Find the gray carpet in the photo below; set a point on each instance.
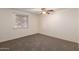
(38, 42)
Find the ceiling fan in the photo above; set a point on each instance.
(46, 11)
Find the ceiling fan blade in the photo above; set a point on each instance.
(42, 8)
(50, 10)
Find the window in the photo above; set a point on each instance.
(21, 21)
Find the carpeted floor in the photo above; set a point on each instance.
(38, 42)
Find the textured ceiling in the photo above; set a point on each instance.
(35, 10)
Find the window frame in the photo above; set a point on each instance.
(16, 26)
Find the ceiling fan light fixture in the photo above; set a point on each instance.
(43, 12)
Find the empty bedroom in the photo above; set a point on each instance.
(39, 29)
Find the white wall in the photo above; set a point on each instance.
(62, 24)
(78, 25)
(7, 23)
